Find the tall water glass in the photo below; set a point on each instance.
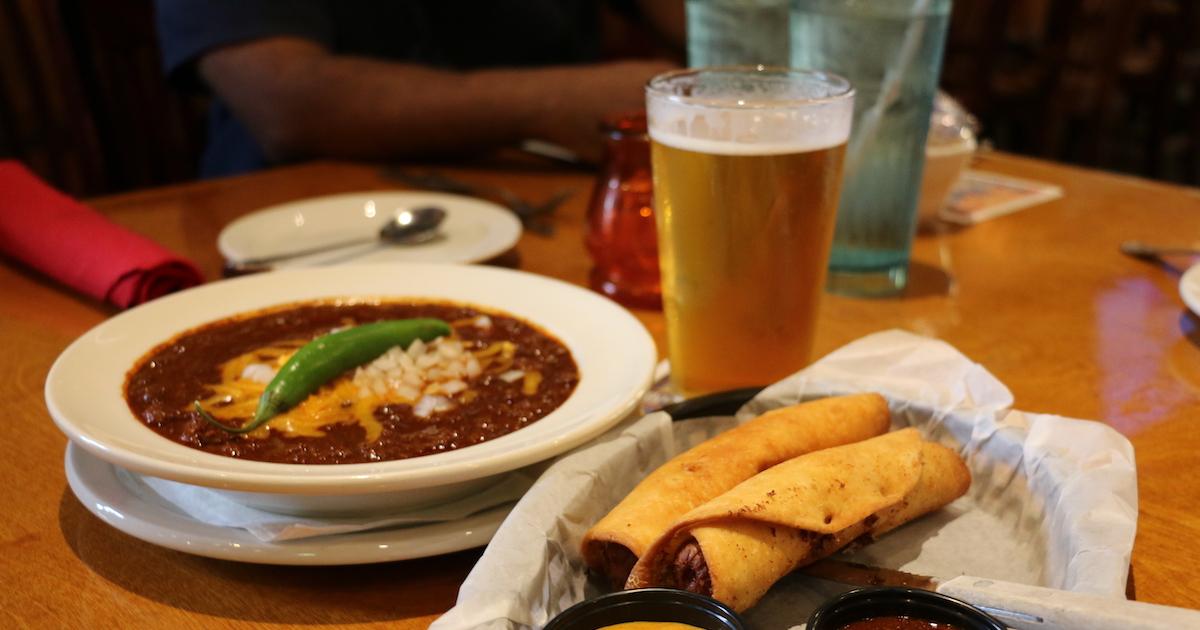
(747, 166)
(737, 32)
(891, 50)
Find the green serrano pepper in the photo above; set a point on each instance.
(324, 358)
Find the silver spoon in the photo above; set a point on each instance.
(1142, 250)
(408, 227)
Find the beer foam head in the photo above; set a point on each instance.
(749, 111)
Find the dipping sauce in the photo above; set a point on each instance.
(897, 623)
(492, 376)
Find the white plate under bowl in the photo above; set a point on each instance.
(473, 230)
(612, 350)
(1189, 288)
(146, 517)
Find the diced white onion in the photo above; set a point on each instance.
(430, 404)
(427, 375)
(512, 376)
(258, 372)
(427, 361)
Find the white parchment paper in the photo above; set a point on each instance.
(1053, 501)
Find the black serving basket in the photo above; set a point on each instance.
(865, 603)
(648, 604)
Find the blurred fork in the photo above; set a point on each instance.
(533, 216)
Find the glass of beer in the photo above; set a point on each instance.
(747, 167)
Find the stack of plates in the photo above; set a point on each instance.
(613, 352)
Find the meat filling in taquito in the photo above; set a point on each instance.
(616, 542)
(737, 545)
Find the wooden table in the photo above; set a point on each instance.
(1041, 298)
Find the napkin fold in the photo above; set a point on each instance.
(214, 507)
(79, 247)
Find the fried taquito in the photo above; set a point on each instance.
(737, 545)
(615, 543)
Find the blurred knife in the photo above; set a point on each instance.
(1021, 606)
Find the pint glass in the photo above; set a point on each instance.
(747, 167)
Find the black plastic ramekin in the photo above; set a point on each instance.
(865, 603)
(648, 604)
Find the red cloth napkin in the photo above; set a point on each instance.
(78, 246)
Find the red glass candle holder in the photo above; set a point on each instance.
(620, 234)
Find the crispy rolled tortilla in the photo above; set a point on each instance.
(737, 545)
(613, 545)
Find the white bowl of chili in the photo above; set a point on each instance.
(128, 389)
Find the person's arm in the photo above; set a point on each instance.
(300, 100)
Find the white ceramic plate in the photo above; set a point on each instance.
(1189, 288)
(614, 354)
(473, 231)
(152, 519)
